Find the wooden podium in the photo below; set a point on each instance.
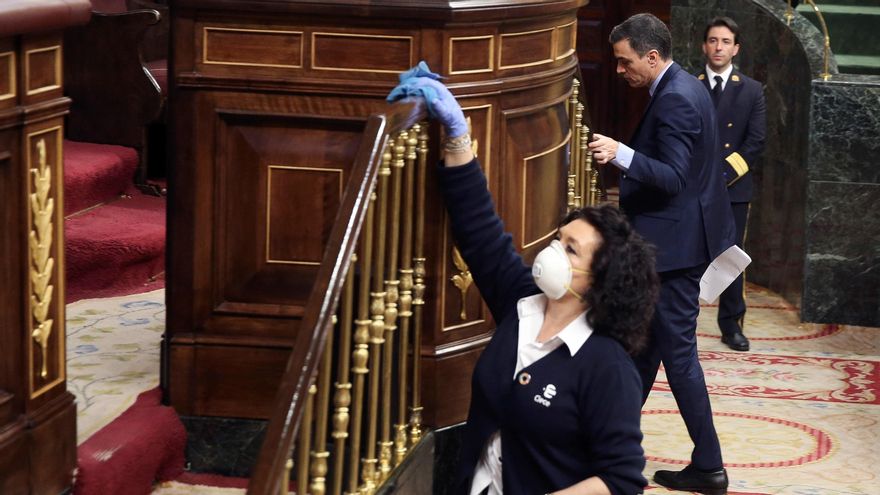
(37, 414)
(268, 102)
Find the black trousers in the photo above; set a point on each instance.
(732, 303)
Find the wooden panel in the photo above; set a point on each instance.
(471, 54)
(37, 415)
(13, 449)
(222, 380)
(319, 192)
(459, 310)
(45, 287)
(252, 47)
(446, 390)
(540, 172)
(42, 69)
(52, 456)
(566, 36)
(362, 52)
(8, 76)
(280, 184)
(542, 176)
(526, 48)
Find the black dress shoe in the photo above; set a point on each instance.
(736, 341)
(691, 479)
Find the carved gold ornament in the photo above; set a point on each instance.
(40, 242)
(462, 280)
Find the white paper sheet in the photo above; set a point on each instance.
(722, 272)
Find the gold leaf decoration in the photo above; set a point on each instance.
(40, 244)
(462, 280)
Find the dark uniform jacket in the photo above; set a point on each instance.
(549, 441)
(742, 126)
(673, 192)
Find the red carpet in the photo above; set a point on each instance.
(115, 249)
(96, 173)
(145, 444)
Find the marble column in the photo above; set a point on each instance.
(842, 239)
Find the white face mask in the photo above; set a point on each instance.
(552, 271)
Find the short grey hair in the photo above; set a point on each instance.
(645, 32)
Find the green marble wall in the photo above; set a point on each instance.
(812, 233)
(842, 252)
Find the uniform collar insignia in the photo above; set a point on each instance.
(701, 77)
(734, 78)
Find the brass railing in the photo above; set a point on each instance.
(584, 187)
(826, 56)
(363, 318)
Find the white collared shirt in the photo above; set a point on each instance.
(528, 350)
(725, 76)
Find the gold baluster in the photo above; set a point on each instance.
(361, 353)
(284, 483)
(574, 123)
(319, 455)
(584, 171)
(582, 153)
(406, 285)
(305, 442)
(595, 192)
(377, 325)
(391, 298)
(415, 421)
(342, 397)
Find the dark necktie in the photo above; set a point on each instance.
(716, 91)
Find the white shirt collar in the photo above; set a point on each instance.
(573, 335)
(724, 76)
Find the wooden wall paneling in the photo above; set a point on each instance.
(37, 414)
(262, 138)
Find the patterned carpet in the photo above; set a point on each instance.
(798, 414)
(112, 355)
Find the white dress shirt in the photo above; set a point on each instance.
(725, 76)
(531, 316)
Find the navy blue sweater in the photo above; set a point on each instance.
(590, 427)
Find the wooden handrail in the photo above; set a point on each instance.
(318, 316)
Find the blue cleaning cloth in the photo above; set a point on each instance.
(409, 86)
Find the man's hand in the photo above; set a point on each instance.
(604, 148)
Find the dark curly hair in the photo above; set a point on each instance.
(624, 284)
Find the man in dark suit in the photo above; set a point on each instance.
(673, 193)
(739, 106)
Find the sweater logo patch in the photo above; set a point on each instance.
(549, 393)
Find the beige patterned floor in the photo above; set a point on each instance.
(798, 414)
(112, 355)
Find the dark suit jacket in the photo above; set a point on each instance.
(673, 192)
(742, 126)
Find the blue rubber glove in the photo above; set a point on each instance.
(420, 81)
